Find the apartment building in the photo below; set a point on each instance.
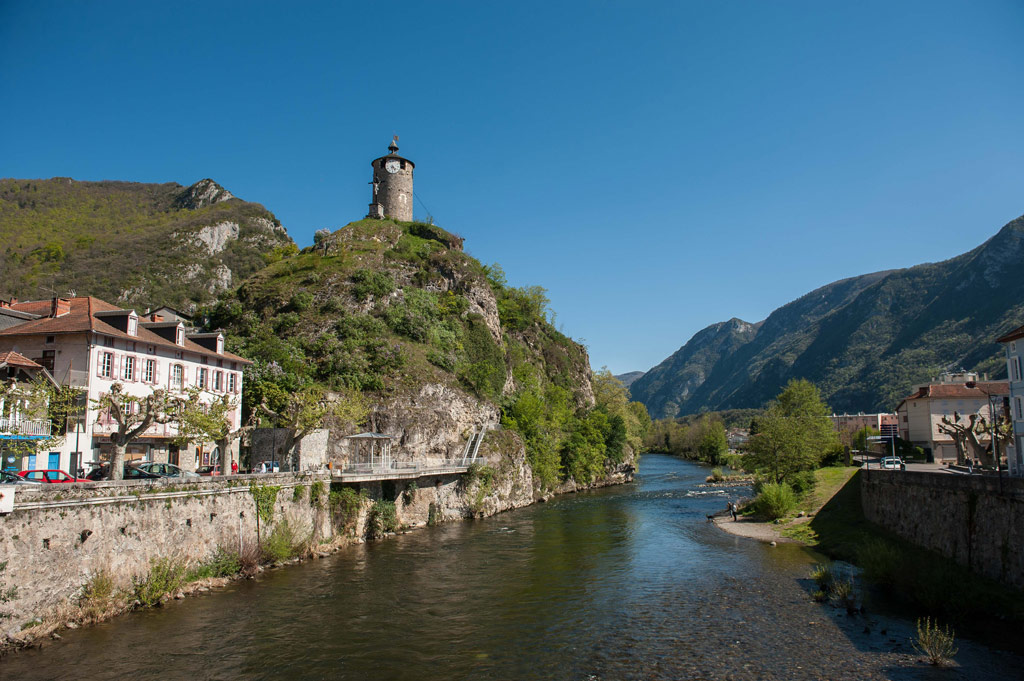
(90, 344)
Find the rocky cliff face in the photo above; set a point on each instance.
(864, 341)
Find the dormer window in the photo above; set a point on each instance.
(220, 345)
(179, 335)
(133, 324)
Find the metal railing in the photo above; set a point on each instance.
(394, 466)
(16, 426)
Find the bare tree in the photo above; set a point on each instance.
(211, 422)
(133, 416)
(965, 437)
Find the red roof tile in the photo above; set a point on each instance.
(946, 391)
(82, 319)
(17, 360)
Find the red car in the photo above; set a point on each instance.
(50, 476)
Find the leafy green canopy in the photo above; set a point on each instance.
(793, 435)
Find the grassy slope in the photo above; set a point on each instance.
(383, 305)
(65, 234)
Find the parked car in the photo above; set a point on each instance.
(892, 463)
(165, 470)
(54, 476)
(12, 478)
(208, 470)
(131, 472)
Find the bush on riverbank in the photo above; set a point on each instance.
(383, 518)
(776, 500)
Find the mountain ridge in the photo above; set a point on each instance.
(864, 340)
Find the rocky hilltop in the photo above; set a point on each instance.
(137, 244)
(864, 341)
(442, 347)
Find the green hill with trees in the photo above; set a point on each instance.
(386, 308)
(136, 244)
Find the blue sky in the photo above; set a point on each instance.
(658, 167)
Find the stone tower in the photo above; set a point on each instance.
(392, 186)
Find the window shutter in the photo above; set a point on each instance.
(115, 367)
(135, 369)
(99, 362)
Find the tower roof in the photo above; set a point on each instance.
(393, 147)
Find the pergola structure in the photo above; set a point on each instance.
(372, 450)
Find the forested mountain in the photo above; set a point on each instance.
(864, 341)
(130, 243)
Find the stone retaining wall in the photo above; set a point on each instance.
(976, 520)
(59, 536)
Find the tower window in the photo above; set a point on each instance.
(403, 165)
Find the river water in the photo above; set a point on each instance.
(628, 582)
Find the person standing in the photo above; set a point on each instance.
(732, 510)
(234, 467)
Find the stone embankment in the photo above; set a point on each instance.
(976, 520)
(60, 537)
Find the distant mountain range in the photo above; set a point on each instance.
(131, 243)
(865, 341)
(629, 377)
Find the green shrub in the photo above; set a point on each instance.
(297, 493)
(717, 475)
(368, 283)
(166, 575)
(802, 482)
(823, 576)
(776, 500)
(316, 494)
(934, 643)
(283, 543)
(300, 301)
(880, 561)
(224, 563)
(383, 518)
(97, 595)
(844, 593)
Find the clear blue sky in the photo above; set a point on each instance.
(657, 167)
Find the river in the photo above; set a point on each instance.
(627, 582)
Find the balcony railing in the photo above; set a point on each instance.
(16, 426)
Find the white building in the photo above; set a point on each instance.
(1014, 344)
(90, 344)
(921, 413)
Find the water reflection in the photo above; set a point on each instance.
(628, 582)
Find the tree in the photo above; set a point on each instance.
(711, 442)
(965, 436)
(311, 408)
(134, 415)
(39, 400)
(860, 438)
(200, 421)
(793, 435)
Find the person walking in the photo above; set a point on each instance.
(732, 510)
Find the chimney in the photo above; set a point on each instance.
(60, 307)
